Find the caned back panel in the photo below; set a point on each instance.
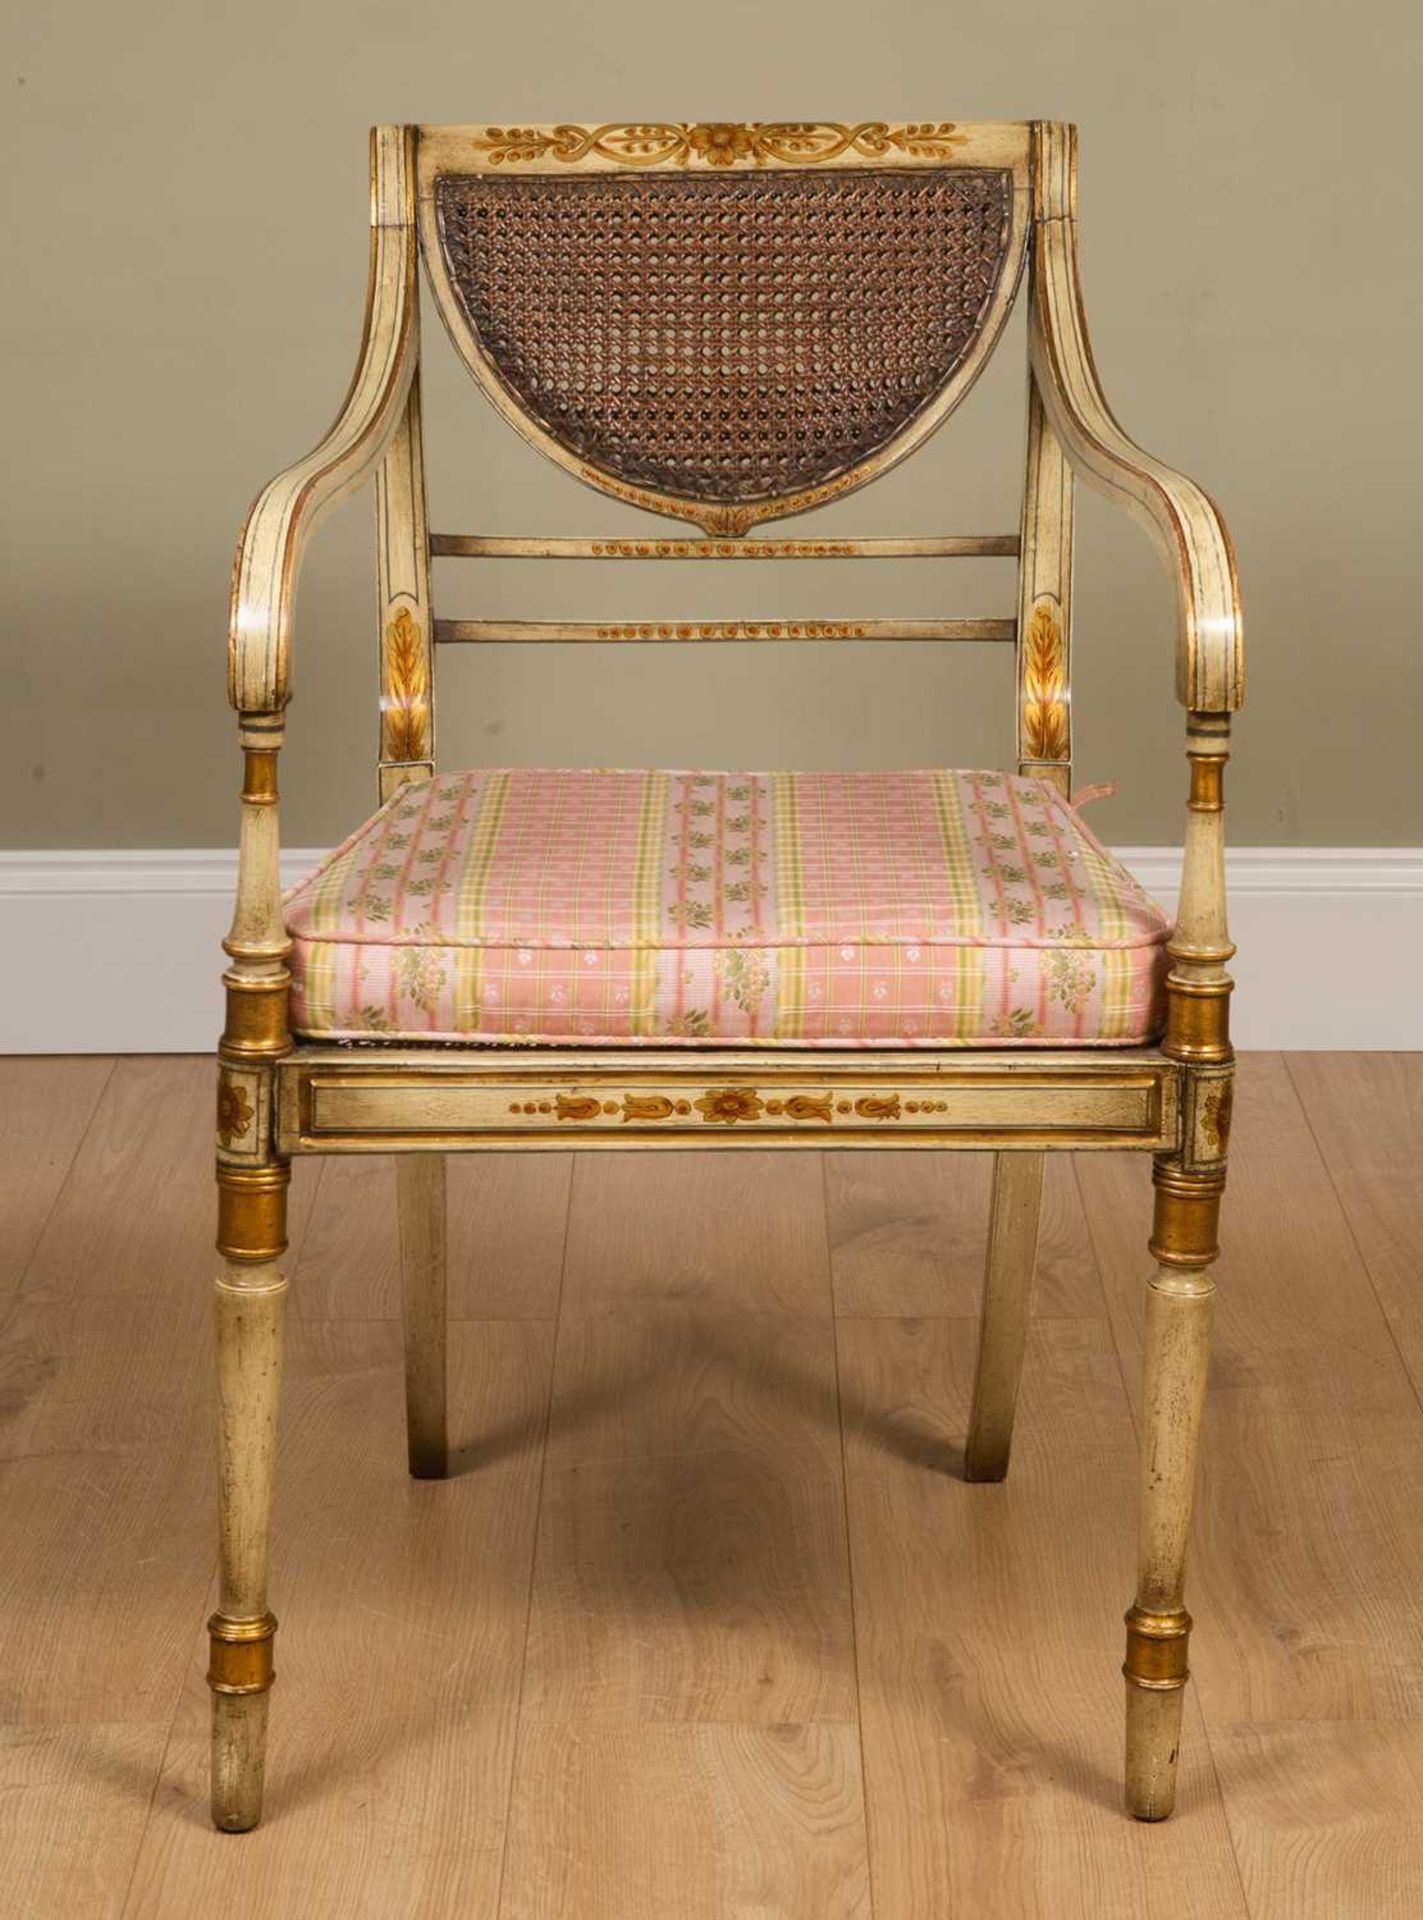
(725, 323)
(729, 338)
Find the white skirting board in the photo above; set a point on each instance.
(110, 951)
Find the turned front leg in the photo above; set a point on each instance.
(1181, 1297)
(1180, 1304)
(251, 1295)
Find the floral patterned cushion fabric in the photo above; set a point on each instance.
(779, 909)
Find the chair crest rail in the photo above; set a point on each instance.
(955, 546)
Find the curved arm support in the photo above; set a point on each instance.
(287, 509)
(1182, 519)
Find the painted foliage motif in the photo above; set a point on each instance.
(1044, 684)
(405, 695)
(717, 143)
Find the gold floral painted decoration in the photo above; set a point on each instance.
(718, 143)
(724, 1106)
(722, 143)
(1044, 685)
(234, 1111)
(1215, 1115)
(405, 697)
(735, 630)
(705, 550)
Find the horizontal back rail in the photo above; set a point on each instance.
(497, 632)
(954, 546)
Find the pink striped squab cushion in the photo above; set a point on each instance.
(780, 909)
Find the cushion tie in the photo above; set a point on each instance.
(1103, 790)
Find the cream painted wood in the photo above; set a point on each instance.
(1176, 1348)
(251, 1324)
(250, 1318)
(1013, 1225)
(257, 939)
(862, 1067)
(1196, 549)
(407, 668)
(421, 1205)
(1200, 941)
(1182, 519)
(239, 1759)
(1153, 1748)
(289, 507)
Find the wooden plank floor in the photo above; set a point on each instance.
(707, 1624)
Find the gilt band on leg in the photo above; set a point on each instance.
(252, 1212)
(1185, 1229)
(1156, 1648)
(240, 1654)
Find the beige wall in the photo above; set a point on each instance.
(185, 265)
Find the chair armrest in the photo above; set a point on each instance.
(284, 514)
(1181, 517)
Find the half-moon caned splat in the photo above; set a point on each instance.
(727, 348)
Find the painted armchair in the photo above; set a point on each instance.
(725, 325)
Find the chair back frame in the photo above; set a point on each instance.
(705, 156)
(1070, 432)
